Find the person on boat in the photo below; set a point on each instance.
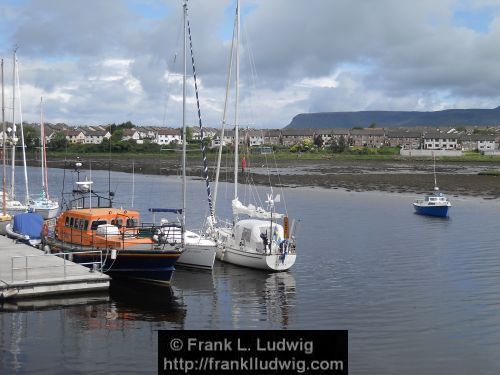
(265, 240)
(243, 165)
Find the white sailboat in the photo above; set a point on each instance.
(260, 241)
(5, 217)
(199, 251)
(14, 206)
(43, 205)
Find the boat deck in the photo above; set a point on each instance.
(28, 272)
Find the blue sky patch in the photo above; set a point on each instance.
(226, 29)
(149, 9)
(475, 19)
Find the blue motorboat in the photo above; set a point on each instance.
(435, 204)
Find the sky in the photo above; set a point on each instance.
(110, 61)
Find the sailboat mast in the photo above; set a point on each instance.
(184, 121)
(435, 180)
(133, 181)
(236, 138)
(4, 175)
(13, 136)
(25, 169)
(42, 153)
(223, 123)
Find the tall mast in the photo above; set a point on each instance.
(42, 154)
(4, 175)
(223, 123)
(236, 138)
(184, 122)
(435, 180)
(26, 189)
(13, 136)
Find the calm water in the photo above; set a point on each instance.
(418, 295)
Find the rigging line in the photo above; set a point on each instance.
(14, 130)
(279, 181)
(224, 114)
(253, 73)
(64, 175)
(202, 132)
(27, 197)
(166, 89)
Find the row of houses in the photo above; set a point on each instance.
(448, 139)
(429, 139)
(96, 134)
(406, 138)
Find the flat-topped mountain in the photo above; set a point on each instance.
(394, 119)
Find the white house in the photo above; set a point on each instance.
(75, 136)
(478, 142)
(133, 134)
(167, 135)
(227, 140)
(253, 137)
(96, 136)
(440, 141)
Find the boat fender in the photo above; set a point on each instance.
(113, 254)
(45, 229)
(46, 249)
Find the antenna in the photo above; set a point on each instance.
(133, 181)
(435, 180)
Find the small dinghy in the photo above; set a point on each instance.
(26, 227)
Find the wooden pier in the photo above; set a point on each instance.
(28, 272)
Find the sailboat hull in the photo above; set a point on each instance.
(4, 221)
(47, 213)
(199, 251)
(197, 256)
(268, 262)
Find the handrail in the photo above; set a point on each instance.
(26, 267)
(169, 232)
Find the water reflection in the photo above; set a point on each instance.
(255, 298)
(142, 301)
(54, 302)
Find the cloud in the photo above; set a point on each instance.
(118, 60)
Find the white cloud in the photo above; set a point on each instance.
(99, 62)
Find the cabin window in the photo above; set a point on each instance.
(85, 224)
(131, 223)
(117, 222)
(96, 223)
(71, 221)
(81, 224)
(67, 221)
(246, 234)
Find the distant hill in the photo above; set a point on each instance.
(394, 119)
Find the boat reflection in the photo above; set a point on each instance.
(130, 301)
(194, 282)
(143, 301)
(253, 295)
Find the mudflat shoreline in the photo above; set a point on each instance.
(403, 176)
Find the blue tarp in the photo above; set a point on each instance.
(29, 224)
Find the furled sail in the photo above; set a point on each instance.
(251, 210)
